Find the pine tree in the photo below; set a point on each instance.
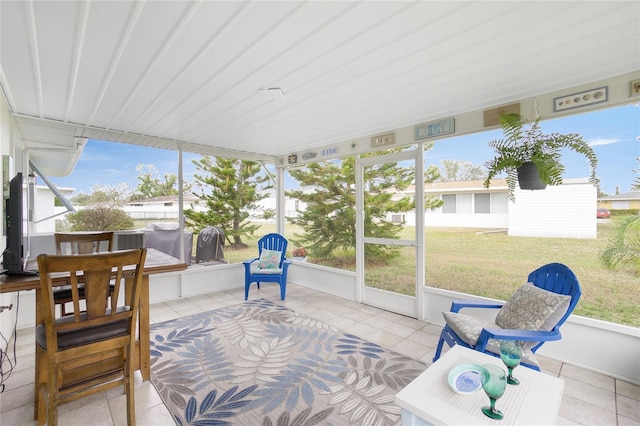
(229, 188)
(329, 218)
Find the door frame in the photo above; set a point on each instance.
(399, 303)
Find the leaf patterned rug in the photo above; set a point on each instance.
(259, 363)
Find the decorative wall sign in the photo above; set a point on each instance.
(293, 158)
(329, 151)
(434, 128)
(635, 88)
(309, 155)
(383, 140)
(580, 99)
(492, 116)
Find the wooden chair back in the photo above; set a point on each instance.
(83, 242)
(74, 243)
(75, 353)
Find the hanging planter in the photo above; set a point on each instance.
(529, 177)
(531, 158)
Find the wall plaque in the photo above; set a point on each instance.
(434, 128)
(492, 116)
(383, 140)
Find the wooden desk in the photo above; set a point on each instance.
(155, 263)
(429, 400)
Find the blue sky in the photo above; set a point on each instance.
(614, 134)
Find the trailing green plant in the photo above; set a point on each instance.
(525, 142)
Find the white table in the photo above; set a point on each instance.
(428, 400)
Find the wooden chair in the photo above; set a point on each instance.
(78, 243)
(90, 351)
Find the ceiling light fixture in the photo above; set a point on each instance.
(271, 93)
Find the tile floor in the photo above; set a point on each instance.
(589, 398)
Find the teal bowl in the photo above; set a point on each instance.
(466, 379)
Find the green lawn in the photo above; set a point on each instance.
(493, 265)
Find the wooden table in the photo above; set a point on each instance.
(429, 400)
(155, 263)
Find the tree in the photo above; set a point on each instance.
(623, 249)
(329, 218)
(233, 188)
(459, 170)
(100, 218)
(104, 195)
(151, 185)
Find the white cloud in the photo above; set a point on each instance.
(597, 142)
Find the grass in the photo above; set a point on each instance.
(494, 265)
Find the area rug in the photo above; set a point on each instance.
(259, 363)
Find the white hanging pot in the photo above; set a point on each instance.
(529, 177)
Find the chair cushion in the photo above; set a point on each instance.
(71, 338)
(269, 259)
(532, 308)
(271, 271)
(468, 328)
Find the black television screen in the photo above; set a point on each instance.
(12, 257)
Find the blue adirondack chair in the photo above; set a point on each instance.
(484, 335)
(271, 265)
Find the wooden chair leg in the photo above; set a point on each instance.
(52, 407)
(130, 389)
(41, 406)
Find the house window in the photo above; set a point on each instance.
(482, 203)
(499, 203)
(457, 203)
(464, 203)
(448, 203)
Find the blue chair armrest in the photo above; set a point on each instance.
(285, 265)
(521, 335)
(456, 305)
(250, 261)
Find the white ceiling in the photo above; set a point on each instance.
(157, 72)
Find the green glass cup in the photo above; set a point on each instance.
(494, 383)
(511, 354)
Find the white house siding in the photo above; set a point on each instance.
(564, 211)
(466, 220)
(465, 213)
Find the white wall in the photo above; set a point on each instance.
(563, 211)
(585, 342)
(8, 139)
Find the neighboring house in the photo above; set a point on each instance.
(567, 210)
(625, 201)
(45, 214)
(165, 207)
(468, 204)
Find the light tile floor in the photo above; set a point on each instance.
(589, 398)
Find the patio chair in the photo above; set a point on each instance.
(78, 243)
(532, 316)
(271, 265)
(93, 350)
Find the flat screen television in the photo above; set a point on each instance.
(12, 260)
